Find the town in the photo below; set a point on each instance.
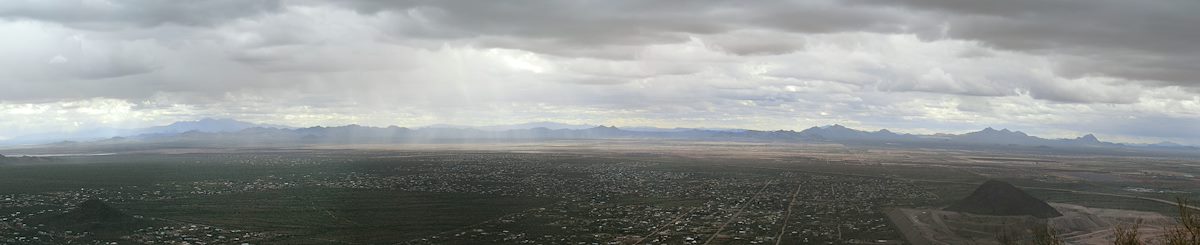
(562, 199)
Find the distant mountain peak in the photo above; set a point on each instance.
(205, 125)
(1167, 143)
(502, 127)
(1089, 138)
(993, 131)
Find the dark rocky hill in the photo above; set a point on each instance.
(95, 211)
(96, 217)
(1001, 198)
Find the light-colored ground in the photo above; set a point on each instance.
(1078, 225)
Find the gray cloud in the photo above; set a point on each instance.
(917, 64)
(1133, 40)
(558, 27)
(115, 14)
(1141, 40)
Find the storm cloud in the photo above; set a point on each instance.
(1058, 68)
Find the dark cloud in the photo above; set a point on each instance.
(558, 27)
(110, 14)
(942, 63)
(1140, 40)
(1134, 40)
(571, 22)
(1128, 39)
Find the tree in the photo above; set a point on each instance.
(1045, 235)
(1187, 232)
(1042, 233)
(1007, 236)
(1127, 234)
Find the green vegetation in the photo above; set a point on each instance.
(1126, 234)
(1188, 230)
(729, 196)
(356, 216)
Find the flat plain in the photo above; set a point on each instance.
(560, 192)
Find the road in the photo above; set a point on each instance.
(738, 213)
(782, 230)
(665, 226)
(1194, 207)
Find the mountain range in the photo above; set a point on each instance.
(230, 132)
(92, 134)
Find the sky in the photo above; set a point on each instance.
(1128, 71)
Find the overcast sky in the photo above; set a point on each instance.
(1126, 70)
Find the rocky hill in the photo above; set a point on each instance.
(97, 218)
(1001, 198)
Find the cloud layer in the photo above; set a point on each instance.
(1057, 68)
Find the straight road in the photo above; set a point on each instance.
(779, 238)
(738, 213)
